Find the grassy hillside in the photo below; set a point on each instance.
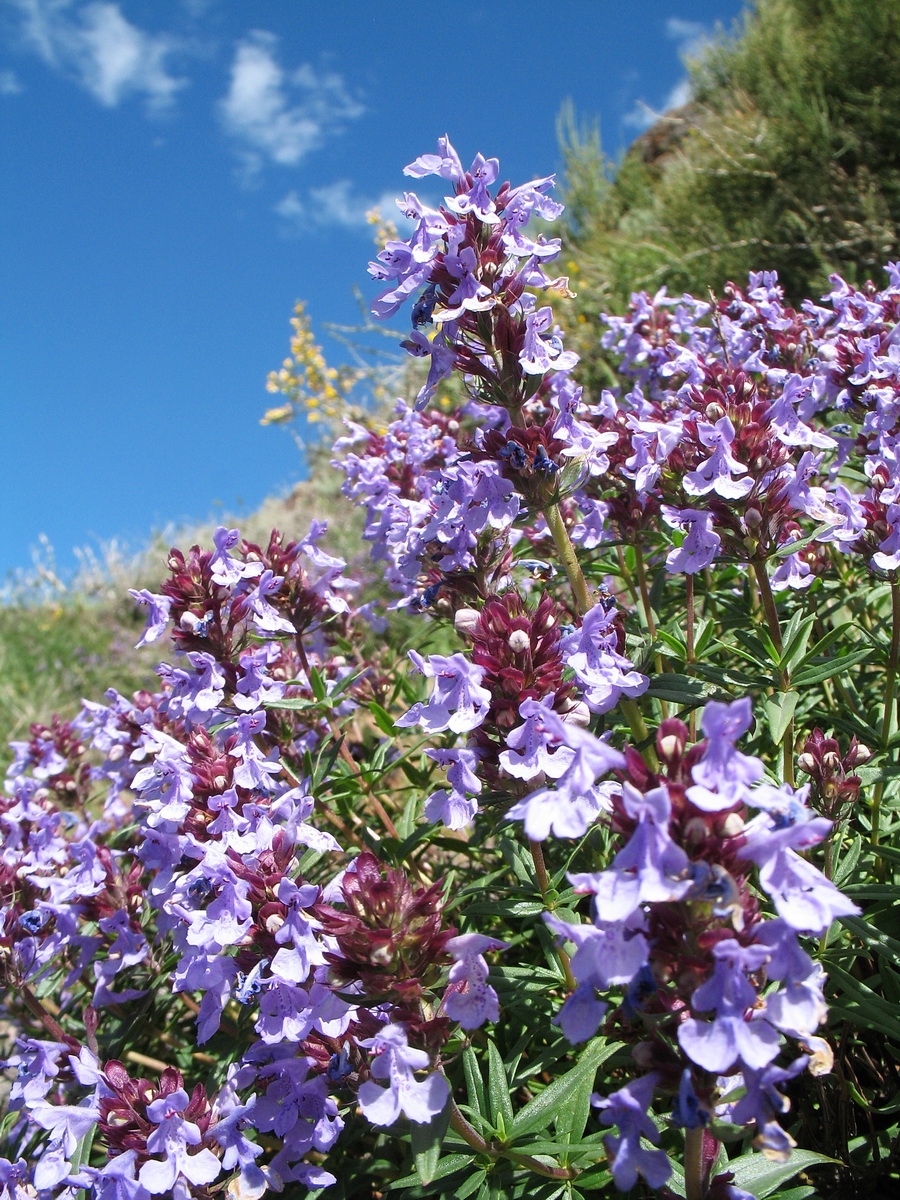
(787, 158)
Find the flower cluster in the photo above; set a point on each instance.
(165, 868)
(678, 925)
(199, 839)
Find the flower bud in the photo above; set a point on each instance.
(465, 620)
(732, 826)
(577, 714)
(695, 830)
(518, 641)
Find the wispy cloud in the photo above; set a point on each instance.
(281, 116)
(9, 84)
(98, 47)
(690, 37)
(336, 205)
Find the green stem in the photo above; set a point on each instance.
(648, 615)
(568, 558)
(768, 603)
(540, 870)
(473, 1139)
(887, 720)
(639, 730)
(689, 643)
(645, 591)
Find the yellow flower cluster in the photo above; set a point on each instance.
(385, 229)
(306, 381)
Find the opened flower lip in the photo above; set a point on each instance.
(458, 701)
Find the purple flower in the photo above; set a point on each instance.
(225, 570)
(701, 543)
(266, 618)
(537, 746)
(723, 775)
(575, 803)
(472, 1000)
(650, 868)
(469, 294)
(445, 163)
(718, 472)
(803, 896)
(171, 1139)
(157, 618)
(455, 808)
(581, 1014)
(540, 354)
(396, 1061)
(477, 199)
(457, 702)
(627, 1108)
(591, 653)
(738, 1032)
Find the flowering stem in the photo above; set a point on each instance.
(645, 591)
(768, 603)
(567, 557)
(540, 870)
(648, 615)
(473, 1138)
(694, 1188)
(640, 731)
(38, 1010)
(689, 643)
(345, 754)
(887, 720)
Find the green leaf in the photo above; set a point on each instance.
(474, 1082)
(761, 1177)
(827, 670)
(673, 642)
(563, 1100)
(779, 710)
(888, 947)
(703, 635)
(426, 1141)
(382, 718)
(679, 689)
(501, 1109)
(795, 639)
(447, 1166)
(793, 546)
(317, 683)
(291, 704)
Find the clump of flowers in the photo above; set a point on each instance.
(537, 894)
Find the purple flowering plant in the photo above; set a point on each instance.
(527, 858)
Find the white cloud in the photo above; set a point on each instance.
(691, 38)
(102, 50)
(281, 116)
(9, 84)
(335, 204)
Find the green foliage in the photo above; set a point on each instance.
(786, 159)
(52, 655)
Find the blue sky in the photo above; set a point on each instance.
(176, 175)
